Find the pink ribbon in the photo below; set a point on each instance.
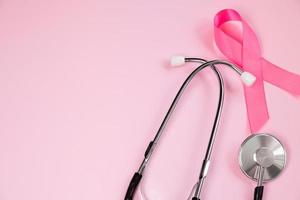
(246, 53)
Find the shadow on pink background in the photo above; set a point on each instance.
(84, 86)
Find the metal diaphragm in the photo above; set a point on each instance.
(262, 150)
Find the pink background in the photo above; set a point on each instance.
(85, 84)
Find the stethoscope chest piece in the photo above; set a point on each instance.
(262, 157)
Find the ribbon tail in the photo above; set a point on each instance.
(256, 103)
(256, 106)
(281, 78)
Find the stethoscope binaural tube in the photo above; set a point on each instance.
(246, 77)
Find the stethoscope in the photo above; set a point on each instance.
(262, 157)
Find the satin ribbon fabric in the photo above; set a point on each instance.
(246, 53)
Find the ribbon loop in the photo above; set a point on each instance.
(246, 53)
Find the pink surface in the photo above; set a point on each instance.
(85, 85)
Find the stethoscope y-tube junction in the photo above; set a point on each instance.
(246, 77)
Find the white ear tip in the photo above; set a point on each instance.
(248, 78)
(177, 61)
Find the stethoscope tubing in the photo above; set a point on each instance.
(205, 165)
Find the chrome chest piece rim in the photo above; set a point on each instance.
(262, 151)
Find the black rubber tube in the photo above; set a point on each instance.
(132, 186)
(258, 193)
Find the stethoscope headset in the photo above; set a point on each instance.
(262, 157)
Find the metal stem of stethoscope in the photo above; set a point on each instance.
(247, 78)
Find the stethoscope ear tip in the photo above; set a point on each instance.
(177, 60)
(248, 78)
